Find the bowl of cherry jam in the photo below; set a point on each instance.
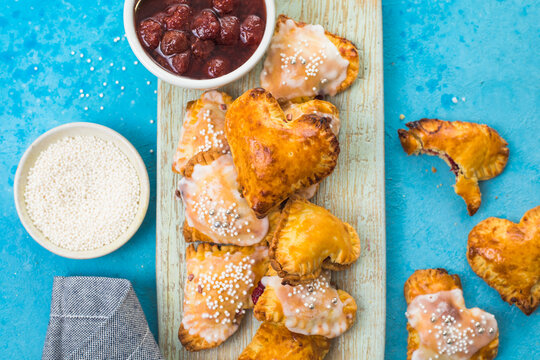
(199, 44)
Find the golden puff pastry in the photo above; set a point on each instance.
(507, 256)
(304, 60)
(217, 292)
(308, 239)
(314, 308)
(215, 210)
(275, 157)
(298, 107)
(439, 324)
(474, 152)
(203, 128)
(276, 342)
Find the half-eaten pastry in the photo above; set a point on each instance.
(305, 60)
(203, 128)
(217, 292)
(507, 256)
(474, 152)
(275, 157)
(440, 326)
(308, 238)
(314, 308)
(215, 210)
(274, 341)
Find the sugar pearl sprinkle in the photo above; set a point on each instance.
(313, 293)
(223, 220)
(304, 57)
(212, 138)
(222, 288)
(82, 193)
(452, 336)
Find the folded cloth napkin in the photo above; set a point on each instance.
(97, 318)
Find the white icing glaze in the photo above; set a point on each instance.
(447, 329)
(310, 309)
(215, 207)
(204, 131)
(302, 61)
(218, 292)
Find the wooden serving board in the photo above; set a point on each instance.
(354, 192)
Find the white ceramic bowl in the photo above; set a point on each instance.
(78, 129)
(185, 82)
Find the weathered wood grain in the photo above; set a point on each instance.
(354, 192)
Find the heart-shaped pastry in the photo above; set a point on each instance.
(218, 291)
(309, 238)
(474, 152)
(275, 157)
(202, 128)
(304, 60)
(436, 311)
(314, 308)
(215, 210)
(274, 341)
(507, 256)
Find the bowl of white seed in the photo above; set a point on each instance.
(81, 190)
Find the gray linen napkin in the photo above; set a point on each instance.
(97, 318)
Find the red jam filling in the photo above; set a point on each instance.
(257, 292)
(454, 166)
(200, 39)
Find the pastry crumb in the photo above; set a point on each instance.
(433, 169)
(401, 116)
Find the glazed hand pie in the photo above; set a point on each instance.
(217, 292)
(274, 341)
(203, 128)
(314, 308)
(440, 326)
(275, 157)
(507, 256)
(305, 60)
(474, 152)
(215, 210)
(309, 238)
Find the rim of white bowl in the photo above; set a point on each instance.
(73, 129)
(185, 82)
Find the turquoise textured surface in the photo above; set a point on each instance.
(483, 53)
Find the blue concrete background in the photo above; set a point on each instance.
(484, 53)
